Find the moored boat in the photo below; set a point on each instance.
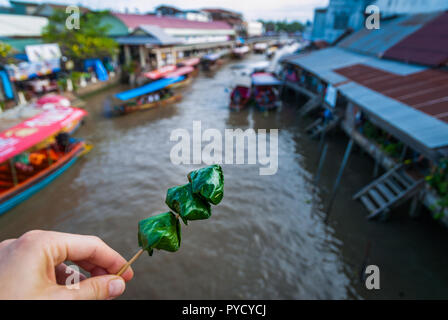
(240, 52)
(212, 61)
(186, 71)
(35, 152)
(149, 96)
(239, 98)
(160, 73)
(265, 91)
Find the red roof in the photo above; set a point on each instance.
(427, 46)
(135, 20)
(426, 90)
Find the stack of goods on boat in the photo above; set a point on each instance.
(35, 152)
(151, 95)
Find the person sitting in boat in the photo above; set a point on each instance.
(150, 98)
(237, 97)
(156, 97)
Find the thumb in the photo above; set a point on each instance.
(97, 288)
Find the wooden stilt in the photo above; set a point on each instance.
(321, 163)
(338, 179)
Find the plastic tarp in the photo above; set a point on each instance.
(99, 68)
(265, 79)
(7, 87)
(161, 72)
(148, 88)
(23, 136)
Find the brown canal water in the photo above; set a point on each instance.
(266, 240)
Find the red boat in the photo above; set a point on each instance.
(239, 98)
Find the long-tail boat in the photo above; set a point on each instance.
(161, 72)
(265, 90)
(212, 61)
(239, 98)
(191, 62)
(240, 52)
(151, 95)
(35, 152)
(186, 71)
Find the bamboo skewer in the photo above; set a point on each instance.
(135, 257)
(126, 266)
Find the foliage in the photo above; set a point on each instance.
(89, 41)
(387, 143)
(438, 180)
(279, 26)
(5, 51)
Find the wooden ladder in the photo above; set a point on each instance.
(391, 189)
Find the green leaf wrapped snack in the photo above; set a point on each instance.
(208, 182)
(189, 206)
(159, 232)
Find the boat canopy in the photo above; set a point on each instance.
(212, 56)
(190, 62)
(148, 88)
(180, 72)
(265, 79)
(160, 73)
(27, 134)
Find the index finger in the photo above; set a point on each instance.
(91, 249)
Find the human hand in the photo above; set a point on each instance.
(32, 267)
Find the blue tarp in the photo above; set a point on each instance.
(150, 87)
(99, 68)
(265, 79)
(7, 87)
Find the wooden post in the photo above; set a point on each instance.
(338, 179)
(13, 172)
(321, 163)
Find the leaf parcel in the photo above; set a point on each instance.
(209, 183)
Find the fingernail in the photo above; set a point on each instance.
(116, 287)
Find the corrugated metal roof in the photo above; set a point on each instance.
(376, 42)
(427, 46)
(14, 25)
(135, 20)
(162, 36)
(425, 130)
(426, 91)
(323, 63)
(411, 99)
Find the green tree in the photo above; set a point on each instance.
(89, 41)
(283, 26)
(5, 51)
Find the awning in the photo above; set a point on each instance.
(150, 87)
(265, 79)
(160, 73)
(25, 135)
(180, 72)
